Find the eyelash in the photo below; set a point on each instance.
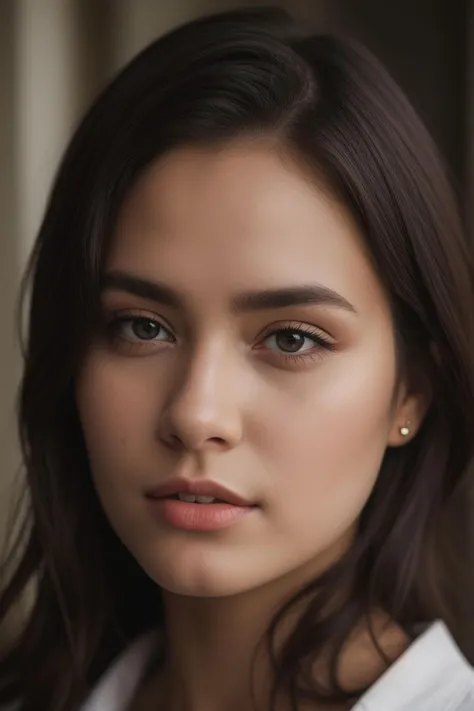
(321, 340)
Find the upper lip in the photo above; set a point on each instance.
(202, 487)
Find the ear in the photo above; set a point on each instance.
(411, 405)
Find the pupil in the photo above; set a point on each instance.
(145, 329)
(290, 341)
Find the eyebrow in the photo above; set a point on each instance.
(245, 302)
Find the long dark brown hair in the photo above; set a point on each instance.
(336, 109)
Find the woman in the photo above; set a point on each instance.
(248, 392)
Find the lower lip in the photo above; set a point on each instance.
(200, 517)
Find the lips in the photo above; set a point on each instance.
(198, 488)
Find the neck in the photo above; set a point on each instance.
(212, 644)
(216, 646)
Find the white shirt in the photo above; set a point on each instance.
(431, 675)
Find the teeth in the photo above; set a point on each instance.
(187, 497)
(190, 498)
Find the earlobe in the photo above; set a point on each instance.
(401, 434)
(408, 418)
(413, 402)
(405, 430)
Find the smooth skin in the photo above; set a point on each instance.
(197, 379)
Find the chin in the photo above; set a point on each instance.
(200, 573)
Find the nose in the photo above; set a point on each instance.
(203, 410)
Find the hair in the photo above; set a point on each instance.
(338, 112)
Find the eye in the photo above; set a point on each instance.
(297, 341)
(145, 329)
(139, 330)
(289, 341)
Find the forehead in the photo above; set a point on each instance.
(244, 216)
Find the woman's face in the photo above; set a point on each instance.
(247, 342)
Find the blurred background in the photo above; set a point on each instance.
(55, 55)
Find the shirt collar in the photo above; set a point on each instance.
(431, 674)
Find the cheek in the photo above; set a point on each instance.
(118, 405)
(325, 440)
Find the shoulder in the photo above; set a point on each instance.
(432, 675)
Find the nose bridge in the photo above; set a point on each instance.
(203, 407)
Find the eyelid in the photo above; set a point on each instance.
(130, 314)
(323, 343)
(116, 319)
(301, 327)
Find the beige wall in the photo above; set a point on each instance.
(9, 260)
(470, 119)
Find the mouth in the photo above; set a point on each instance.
(201, 505)
(200, 491)
(191, 499)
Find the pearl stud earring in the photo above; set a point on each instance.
(405, 430)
